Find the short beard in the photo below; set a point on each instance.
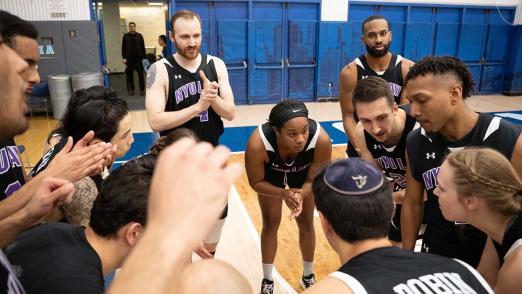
(182, 53)
(378, 54)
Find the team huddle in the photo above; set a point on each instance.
(421, 167)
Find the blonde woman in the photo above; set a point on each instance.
(479, 186)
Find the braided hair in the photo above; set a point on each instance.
(487, 174)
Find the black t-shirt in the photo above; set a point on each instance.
(184, 90)
(279, 172)
(427, 152)
(56, 258)
(512, 239)
(11, 168)
(393, 270)
(393, 74)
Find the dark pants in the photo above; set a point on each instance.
(134, 65)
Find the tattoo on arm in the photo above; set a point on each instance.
(78, 212)
(151, 75)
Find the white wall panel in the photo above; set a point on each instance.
(41, 10)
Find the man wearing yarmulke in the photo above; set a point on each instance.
(355, 206)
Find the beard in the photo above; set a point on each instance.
(376, 53)
(185, 53)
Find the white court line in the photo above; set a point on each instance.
(255, 236)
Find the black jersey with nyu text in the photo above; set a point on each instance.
(426, 153)
(11, 168)
(393, 270)
(392, 160)
(281, 173)
(185, 88)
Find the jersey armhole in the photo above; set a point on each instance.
(518, 243)
(351, 282)
(267, 144)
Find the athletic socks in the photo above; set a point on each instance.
(267, 271)
(308, 268)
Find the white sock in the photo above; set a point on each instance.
(308, 268)
(267, 271)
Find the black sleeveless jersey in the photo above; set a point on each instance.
(392, 159)
(281, 173)
(48, 157)
(11, 169)
(393, 270)
(393, 74)
(512, 239)
(184, 90)
(427, 152)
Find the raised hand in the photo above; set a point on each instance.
(209, 92)
(75, 163)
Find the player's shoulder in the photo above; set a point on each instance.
(349, 68)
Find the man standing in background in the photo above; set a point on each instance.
(162, 41)
(133, 52)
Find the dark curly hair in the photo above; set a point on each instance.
(440, 65)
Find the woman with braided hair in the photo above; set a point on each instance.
(479, 186)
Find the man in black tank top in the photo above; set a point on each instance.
(355, 207)
(190, 90)
(383, 128)
(437, 87)
(377, 61)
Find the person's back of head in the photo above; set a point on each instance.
(123, 197)
(355, 199)
(97, 109)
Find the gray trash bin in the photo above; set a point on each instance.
(60, 90)
(86, 80)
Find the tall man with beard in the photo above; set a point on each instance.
(190, 90)
(378, 61)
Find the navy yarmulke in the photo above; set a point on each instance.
(353, 176)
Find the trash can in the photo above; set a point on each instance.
(60, 90)
(86, 80)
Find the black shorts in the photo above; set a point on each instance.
(463, 242)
